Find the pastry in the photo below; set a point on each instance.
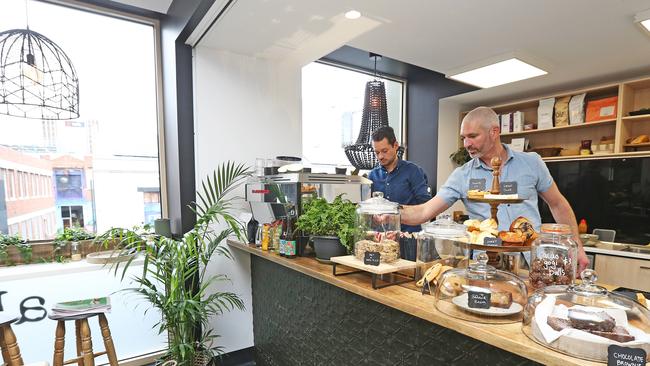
(524, 226)
(641, 299)
(453, 285)
(558, 324)
(591, 320)
(513, 196)
(488, 225)
(429, 275)
(510, 238)
(388, 249)
(618, 334)
(442, 271)
(475, 193)
(638, 139)
(480, 239)
(501, 299)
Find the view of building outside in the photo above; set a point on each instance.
(332, 104)
(100, 170)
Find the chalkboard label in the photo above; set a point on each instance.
(495, 242)
(625, 356)
(478, 300)
(371, 258)
(477, 183)
(508, 188)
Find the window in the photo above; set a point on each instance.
(86, 171)
(332, 104)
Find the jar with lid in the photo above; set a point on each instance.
(378, 224)
(587, 321)
(554, 257)
(441, 242)
(481, 293)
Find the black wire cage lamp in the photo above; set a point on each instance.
(37, 79)
(375, 114)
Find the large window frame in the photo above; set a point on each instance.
(403, 140)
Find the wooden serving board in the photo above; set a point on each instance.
(382, 268)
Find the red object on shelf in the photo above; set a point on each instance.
(582, 226)
(601, 109)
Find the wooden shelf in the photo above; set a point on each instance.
(629, 154)
(555, 129)
(641, 118)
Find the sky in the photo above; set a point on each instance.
(115, 63)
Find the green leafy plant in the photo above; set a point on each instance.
(25, 250)
(120, 238)
(460, 156)
(174, 278)
(64, 237)
(321, 218)
(5, 242)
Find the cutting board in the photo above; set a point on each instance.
(382, 268)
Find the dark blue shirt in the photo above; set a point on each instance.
(406, 185)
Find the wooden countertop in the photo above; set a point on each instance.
(505, 336)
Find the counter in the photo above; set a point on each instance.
(304, 314)
(617, 253)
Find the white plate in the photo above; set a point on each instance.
(461, 302)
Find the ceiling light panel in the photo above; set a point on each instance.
(499, 73)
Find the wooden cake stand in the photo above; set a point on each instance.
(496, 189)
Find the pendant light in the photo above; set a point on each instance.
(375, 114)
(37, 79)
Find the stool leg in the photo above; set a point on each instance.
(77, 329)
(59, 343)
(10, 350)
(86, 344)
(108, 340)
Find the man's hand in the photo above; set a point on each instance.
(583, 261)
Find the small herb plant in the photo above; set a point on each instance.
(321, 218)
(8, 240)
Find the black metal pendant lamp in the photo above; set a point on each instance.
(37, 79)
(375, 114)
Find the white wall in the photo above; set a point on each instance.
(448, 132)
(245, 108)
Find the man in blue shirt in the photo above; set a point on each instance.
(400, 181)
(480, 134)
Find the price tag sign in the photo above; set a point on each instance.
(478, 300)
(476, 183)
(508, 187)
(625, 356)
(371, 258)
(494, 242)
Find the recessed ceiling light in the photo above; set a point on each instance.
(643, 18)
(353, 14)
(499, 73)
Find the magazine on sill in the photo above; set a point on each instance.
(78, 307)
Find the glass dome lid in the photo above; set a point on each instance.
(444, 228)
(481, 294)
(377, 205)
(583, 320)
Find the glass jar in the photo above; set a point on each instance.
(584, 320)
(554, 257)
(481, 293)
(442, 241)
(378, 224)
(75, 251)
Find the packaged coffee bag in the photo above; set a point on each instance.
(577, 109)
(562, 111)
(545, 113)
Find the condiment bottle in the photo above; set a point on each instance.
(582, 226)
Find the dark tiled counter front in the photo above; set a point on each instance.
(303, 315)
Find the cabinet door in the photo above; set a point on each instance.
(623, 272)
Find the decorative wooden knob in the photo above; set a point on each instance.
(496, 172)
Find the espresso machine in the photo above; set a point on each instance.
(279, 196)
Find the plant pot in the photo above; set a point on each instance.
(327, 247)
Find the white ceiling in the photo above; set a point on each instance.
(578, 42)
(160, 6)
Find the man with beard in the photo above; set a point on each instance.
(401, 181)
(480, 133)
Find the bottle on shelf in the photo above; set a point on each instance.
(582, 226)
(290, 246)
(283, 237)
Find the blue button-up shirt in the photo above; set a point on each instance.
(527, 169)
(406, 185)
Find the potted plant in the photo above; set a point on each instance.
(331, 226)
(174, 279)
(9, 249)
(65, 239)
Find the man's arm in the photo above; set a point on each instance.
(563, 214)
(415, 215)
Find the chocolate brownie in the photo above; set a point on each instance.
(590, 320)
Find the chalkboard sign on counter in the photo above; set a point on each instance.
(478, 300)
(371, 258)
(625, 356)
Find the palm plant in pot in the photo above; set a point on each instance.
(174, 278)
(331, 226)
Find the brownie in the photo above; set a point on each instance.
(618, 334)
(589, 320)
(558, 324)
(501, 299)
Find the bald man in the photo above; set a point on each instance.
(480, 133)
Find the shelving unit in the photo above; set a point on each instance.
(632, 95)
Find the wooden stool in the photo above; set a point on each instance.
(8, 344)
(85, 354)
